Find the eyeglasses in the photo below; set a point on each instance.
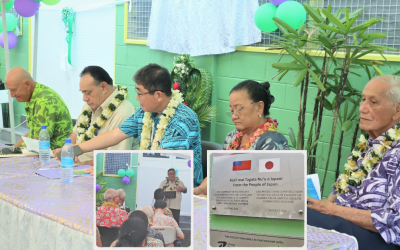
(150, 92)
(236, 112)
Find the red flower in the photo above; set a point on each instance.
(185, 103)
(176, 86)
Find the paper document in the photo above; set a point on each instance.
(313, 187)
(33, 145)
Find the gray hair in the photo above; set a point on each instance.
(149, 213)
(109, 194)
(121, 193)
(394, 93)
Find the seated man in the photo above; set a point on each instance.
(365, 201)
(161, 122)
(109, 214)
(159, 194)
(160, 219)
(121, 200)
(43, 106)
(103, 100)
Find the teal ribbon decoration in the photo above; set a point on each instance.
(69, 36)
(68, 17)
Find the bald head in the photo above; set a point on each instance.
(20, 84)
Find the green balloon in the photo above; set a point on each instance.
(263, 17)
(122, 172)
(9, 5)
(11, 22)
(130, 172)
(292, 13)
(51, 2)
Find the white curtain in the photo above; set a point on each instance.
(202, 27)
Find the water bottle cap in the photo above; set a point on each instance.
(68, 140)
(43, 126)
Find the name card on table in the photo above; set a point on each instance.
(267, 184)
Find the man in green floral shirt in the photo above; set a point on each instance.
(43, 106)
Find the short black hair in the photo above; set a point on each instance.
(98, 74)
(257, 92)
(170, 170)
(159, 194)
(153, 77)
(139, 214)
(132, 233)
(160, 204)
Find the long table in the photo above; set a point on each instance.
(41, 213)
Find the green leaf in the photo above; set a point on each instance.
(292, 137)
(317, 80)
(327, 105)
(313, 13)
(301, 28)
(300, 76)
(378, 71)
(288, 66)
(325, 41)
(347, 125)
(290, 35)
(363, 54)
(282, 75)
(335, 21)
(312, 62)
(327, 27)
(350, 24)
(372, 36)
(296, 57)
(285, 25)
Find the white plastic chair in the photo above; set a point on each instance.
(168, 233)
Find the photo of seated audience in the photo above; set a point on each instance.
(141, 199)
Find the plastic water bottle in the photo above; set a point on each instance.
(44, 145)
(67, 162)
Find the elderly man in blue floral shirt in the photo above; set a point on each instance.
(365, 201)
(163, 121)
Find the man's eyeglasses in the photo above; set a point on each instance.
(236, 112)
(150, 92)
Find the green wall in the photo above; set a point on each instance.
(116, 182)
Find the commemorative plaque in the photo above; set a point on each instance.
(266, 184)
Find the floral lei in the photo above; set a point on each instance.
(87, 131)
(109, 204)
(168, 112)
(167, 183)
(354, 175)
(270, 125)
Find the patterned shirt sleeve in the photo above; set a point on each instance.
(174, 224)
(130, 125)
(387, 218)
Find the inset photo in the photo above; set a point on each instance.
(144, 199)
(257, 199)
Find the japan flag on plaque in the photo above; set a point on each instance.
(270, 165)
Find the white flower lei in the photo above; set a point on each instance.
(85, 129)
(167, 183)
(162, 125)
(354, 175)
